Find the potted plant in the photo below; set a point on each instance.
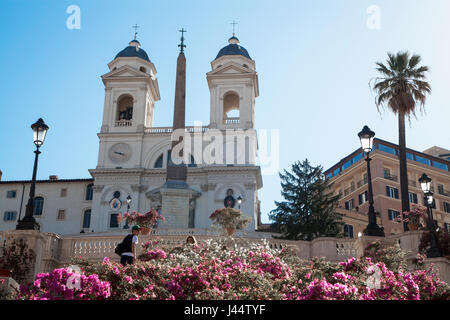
(414, 217)
(145, 220)
(229, 219)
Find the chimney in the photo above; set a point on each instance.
(53, 178)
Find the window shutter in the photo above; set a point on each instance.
(396, 193)
(387, 191)
(360, 199)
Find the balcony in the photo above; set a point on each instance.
(234, 120)
(412, 183)
(124, 123)
(361, 183)
(164, 130)
(441, 191)
(391, 177)
(349, 190)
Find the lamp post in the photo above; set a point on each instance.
(239, 200)
(126, 226)
(425, 184)
(28, 222)
(373, 229)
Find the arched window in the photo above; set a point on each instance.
(159, 162)
(89, 191)
(192, 164)
(38, 206)
(231, 107)
(142, 69)
(87, 219)
(125, 108)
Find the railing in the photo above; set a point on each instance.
(443, 192)
(346, 248)
(412, 183)
(231, 120)
(390, 177)
(349, 190)
(165, 130)
(361, 183)
(124, 123)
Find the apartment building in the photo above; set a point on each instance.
(349, 178)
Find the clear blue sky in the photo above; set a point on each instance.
(314, 59)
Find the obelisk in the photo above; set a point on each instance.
(177, 174)
(175, 193)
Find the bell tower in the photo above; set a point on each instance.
(233, 85)
(131, 90)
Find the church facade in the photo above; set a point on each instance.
(134, 155)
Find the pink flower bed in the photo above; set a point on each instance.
(212, 271)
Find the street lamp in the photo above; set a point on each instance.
(28, 222)
(425, 184)
(126, 226)
(239, 200)
(373, 229)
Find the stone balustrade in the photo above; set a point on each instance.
(54, 251)
(166, 130)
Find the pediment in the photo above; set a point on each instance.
(124, 71)
(231, 68)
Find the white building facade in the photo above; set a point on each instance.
(133, 155)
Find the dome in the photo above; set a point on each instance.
(133, 50)
(233, 49)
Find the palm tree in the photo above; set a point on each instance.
(402, 88)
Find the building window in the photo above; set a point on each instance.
(192, 164)
(142, 69)
(159, 162)
(387, 149)
(38, 206)
(113, 221)
(363, 198)
(392, 192)
(61, 215)
(357, 158)
(447, 207)
(409, 156)
(329, 176)
(348, 231)
(336, 172)
(394, 215)
(413, 198)
(63, 193)
(423, 160)
(447, 227)
(440, 165)
(87, 219)
(11, 194)
(349, 205)
(89, 192)
(10, 216)
(346, 165)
